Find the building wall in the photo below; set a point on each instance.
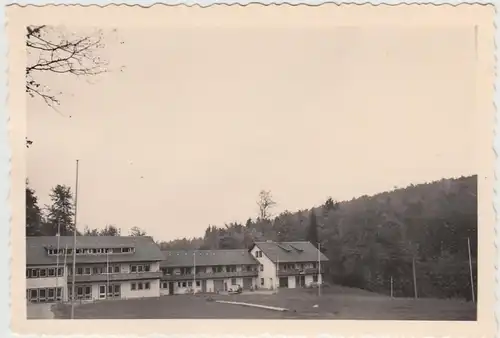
(35, 283)
(164, 288)
(179, 289)
(310, 279)
(210, 285)
(125, 286)
(268, 273)
(127, 292)
(49, 282)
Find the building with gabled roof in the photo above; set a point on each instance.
(207, 271)
(106, 267)
(288, 264)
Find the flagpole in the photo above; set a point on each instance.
(194, 272)
(319, 269)
(64, 269)
(277, 272)
(57, 257)
(74, 247)
(470, 269)
(107, 273)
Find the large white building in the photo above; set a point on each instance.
(288, 264)
(106, 267)
(207, 271)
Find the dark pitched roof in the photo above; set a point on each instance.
(184, 258)
(145, 249)
(290, 251)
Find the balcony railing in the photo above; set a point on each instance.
(115, 277)
(210, 275)
(294, 272)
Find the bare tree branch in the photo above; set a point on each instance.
(58, 54)
(50, 50)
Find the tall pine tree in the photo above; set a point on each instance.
(61, 212)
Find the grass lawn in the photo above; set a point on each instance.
(334, 303)
(346, 303)
(167, 307)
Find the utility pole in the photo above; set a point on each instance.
(415, 290)
(392, 288)
(74, 247)
(470, 269)
(107, 274)
(65, 269)
(414, 279)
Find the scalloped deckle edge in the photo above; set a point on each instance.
(204, 4)
(496, 146)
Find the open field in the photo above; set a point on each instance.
(335, 303)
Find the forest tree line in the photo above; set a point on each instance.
(369, 240)
(58, 216)
(372, 240)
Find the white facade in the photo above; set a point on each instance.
(186, 286)
(153, 291)
(39, 288)
(267, 271)
(46, 288)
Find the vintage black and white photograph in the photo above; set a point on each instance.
(252, 172)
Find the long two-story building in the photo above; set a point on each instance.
(207, 271)
(106, 267)
(288, 264)
(266, 265)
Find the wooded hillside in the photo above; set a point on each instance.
(371, 239)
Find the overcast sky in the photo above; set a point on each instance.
(202, 119)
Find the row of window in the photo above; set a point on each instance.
(203, 269)
(98, 270)
(84, 292)
(44, 295)
(44, 272)
(286, 267)
(90, 251)
(140, 286)
(189, 284)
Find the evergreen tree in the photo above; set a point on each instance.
(34, 217)
(61, 212)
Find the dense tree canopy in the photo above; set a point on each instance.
(371, 239)
(34, 215)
